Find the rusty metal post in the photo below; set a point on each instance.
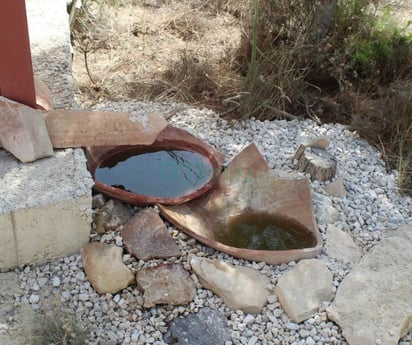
(16, 71)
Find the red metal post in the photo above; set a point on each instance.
(16, 71)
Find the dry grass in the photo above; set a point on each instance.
(386, 122)
(330, 61)
(57, 327)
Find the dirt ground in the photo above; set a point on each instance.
(128, 48)
(124, 48)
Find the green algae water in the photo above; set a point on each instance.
(260, 231)
(164, 173)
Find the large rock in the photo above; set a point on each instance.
(240, 287)
(302, 290)
(113, 214)
(203, 328)
(166, 284)
(339, 245)
(145, 236)
(373, 304)
(104, 267)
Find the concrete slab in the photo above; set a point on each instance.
(8, 253)
(45, 206)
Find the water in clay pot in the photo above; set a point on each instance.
(263, 231)
(159, 173)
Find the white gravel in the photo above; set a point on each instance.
(370, 211)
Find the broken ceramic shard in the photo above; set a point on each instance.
(23, 131)
(247, 187)
(72, 128)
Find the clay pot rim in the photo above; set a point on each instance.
(165, 143)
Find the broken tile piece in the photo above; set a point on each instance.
(23, 131)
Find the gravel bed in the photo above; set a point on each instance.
(370, 212)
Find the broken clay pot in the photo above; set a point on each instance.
(247, 186)
(171, 138)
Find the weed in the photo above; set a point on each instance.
(386, 122)
(57, 327)
(188, 79)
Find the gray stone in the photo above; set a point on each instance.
(324, 211)
(145, 236)
(340, 245)
(113, 214)
(166, 284)
(241, 288)
(302, 290)
(374, 302)
(203, 328)
(104, 267)
(98, 201)
(336, 188)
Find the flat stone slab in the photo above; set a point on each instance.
(373, 304)
(145, 236)
(70, 128)
(166, 284)
(241, 288)
(340, 245)
(104, 267)
(302, 290)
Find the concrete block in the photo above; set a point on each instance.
(8, 254)
(45, 208)
(51, 231)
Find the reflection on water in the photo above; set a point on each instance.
(166, 174)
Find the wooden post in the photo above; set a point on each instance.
(16, 71)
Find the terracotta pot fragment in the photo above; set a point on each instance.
(246, 185)
(171, 138)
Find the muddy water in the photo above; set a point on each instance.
(260, 231)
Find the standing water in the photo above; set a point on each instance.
(164, 173)
(260, 231)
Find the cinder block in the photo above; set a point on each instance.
(45, 208)
(51, 231)
(8, 254)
